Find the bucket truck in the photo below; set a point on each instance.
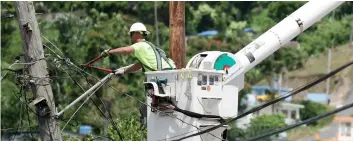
(193, 98)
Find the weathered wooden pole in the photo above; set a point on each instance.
(177, 32)
(33, 53)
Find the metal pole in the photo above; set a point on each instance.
(328, 70)
(351, 37)
(329, 58)
(156, 23)
(89, 91)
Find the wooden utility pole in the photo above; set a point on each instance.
(156, 23)
(351, 37)
(329, 55)
(177, 32)
(33, 53)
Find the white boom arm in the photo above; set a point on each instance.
(279, 35)
(205, 88)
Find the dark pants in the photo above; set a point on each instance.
(143, 115)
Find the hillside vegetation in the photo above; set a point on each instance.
(82, 30)
(316, 66)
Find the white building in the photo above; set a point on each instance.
(345, 129)
(289, 110)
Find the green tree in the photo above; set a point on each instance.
(258, 125)
(130, 129)
(312, 109)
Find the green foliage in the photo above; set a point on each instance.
(266, 123)
(327, 34)
(258, 125)
(312, 109)
(81, 30)
(280, 10)
(130, 129)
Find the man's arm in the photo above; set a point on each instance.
(122, 50)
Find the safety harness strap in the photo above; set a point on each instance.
(159, 54)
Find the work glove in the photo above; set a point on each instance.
(105, 53)
(120, 71)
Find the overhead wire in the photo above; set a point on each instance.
(78, 109)
(274, 132)
(109, 119)
(257, 108)
(20, 124)
(22, 93)
(26, 104)
(84, 72)
(234, 118)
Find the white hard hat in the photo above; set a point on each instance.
(138, 27)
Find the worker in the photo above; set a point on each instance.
(150, 57)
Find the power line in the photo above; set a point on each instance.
(68, 62)
(301, 123)
(78, 109)
(110, 120)
(22, 93)
(296, 91)
(84, 72)
(237, 117)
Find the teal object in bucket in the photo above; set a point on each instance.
(224, 61)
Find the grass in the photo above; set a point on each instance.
(316, 67)
(302, 132)
(340, 55)
(312, 69)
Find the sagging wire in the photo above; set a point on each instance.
(109, 119)
(52, 44)
(28, 107)
(106, 137)
(17, 62)
(20, 124)
(86, 73)
(301, 123)
(7, 129)
(78, 109)
(67, 61)
(257, 108)
(24, 80)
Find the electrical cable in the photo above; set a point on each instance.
(143, 102)
(29, 121)
(24, 101)
(32, 112)
(110, 120)
(84, 72)
(107, 137)
(195, 115)
(301, 123)
(298, 90)
(267, 104)
(78, 109)
(20, 124)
